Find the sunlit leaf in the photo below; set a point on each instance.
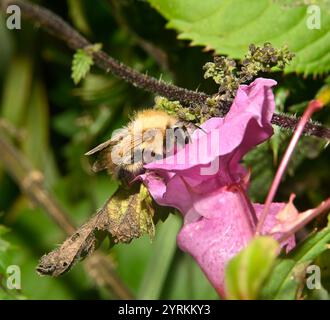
(82, 62)
(216, 24)
(246, 272)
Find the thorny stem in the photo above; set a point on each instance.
(31, 183)
(60, 29)
(313, 106)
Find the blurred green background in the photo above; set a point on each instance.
(53, 122)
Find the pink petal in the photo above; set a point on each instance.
(217, 220)
(213, 242)
(246, 125)
(168, 190)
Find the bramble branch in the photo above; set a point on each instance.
(62, 30)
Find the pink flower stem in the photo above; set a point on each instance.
(324, 206)
(244, 204)
(252, 219)
(313, 106)
(246, 207)
(249, 205)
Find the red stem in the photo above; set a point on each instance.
(313, 106)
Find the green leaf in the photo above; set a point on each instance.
(132, 261)
(246, 272)
(162, 254)
(82, 62)
(288, 273)
(187, 281)
(18, 80)
(81, 65)
(77, 14)
(229, 27)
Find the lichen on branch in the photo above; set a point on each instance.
(229, 75)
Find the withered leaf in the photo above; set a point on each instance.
(128, 214)
(78, 246)
(131, 215)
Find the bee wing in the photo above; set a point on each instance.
(126, 142)
(100, 147)
(102, 150)
(117, 137)
(104, 160)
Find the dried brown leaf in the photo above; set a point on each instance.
(128, 214)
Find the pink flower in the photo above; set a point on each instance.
(207, 184)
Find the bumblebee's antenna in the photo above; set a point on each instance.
(198, 127)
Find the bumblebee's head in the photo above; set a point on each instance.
(158, 143)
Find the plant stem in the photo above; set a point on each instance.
(313, 106)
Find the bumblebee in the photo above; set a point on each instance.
(151, 135)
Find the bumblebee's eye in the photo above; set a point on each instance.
(181, 134)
